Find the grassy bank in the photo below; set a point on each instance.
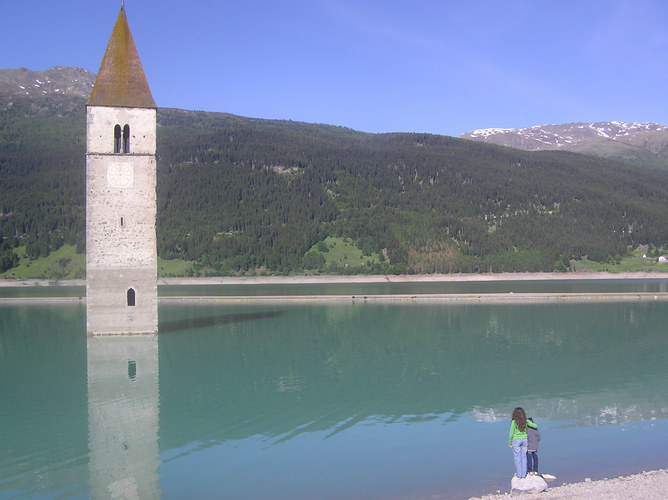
(335, 254)
(639, 260)
(64, 263)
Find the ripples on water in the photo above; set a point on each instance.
(327, 400)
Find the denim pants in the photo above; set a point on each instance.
(520, 456)
(532, 461)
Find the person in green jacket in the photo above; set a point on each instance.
(517, 440)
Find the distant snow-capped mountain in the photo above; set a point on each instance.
(644, 144)
(561, 136)
(57, 80)
(59, 88)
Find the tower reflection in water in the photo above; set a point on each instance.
(123, 416)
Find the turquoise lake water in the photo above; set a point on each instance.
(593, 286)
(327, 401)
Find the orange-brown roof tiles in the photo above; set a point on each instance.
(121, 81)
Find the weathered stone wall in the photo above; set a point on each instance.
(120, 222)
(100, 129)
(106, 300)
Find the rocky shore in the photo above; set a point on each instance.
(410, 278)
(402, 278)
(652, 485)
(508, 297)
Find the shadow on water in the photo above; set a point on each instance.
(182, 325)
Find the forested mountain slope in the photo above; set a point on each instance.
(239, 194)
(269, 190)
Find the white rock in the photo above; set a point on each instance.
(529, 484)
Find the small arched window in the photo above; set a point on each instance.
(126, 139)
(131, 297)
(117, 139)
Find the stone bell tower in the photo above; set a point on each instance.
(121, 255)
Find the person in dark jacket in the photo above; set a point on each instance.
(533, 436)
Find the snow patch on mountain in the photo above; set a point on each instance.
(56, 80)
(560, 136)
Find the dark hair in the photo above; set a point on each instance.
(520, 418)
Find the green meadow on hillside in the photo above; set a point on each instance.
(332, 255)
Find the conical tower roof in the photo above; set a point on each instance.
(121, 81)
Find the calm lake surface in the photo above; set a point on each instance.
(345, 400)
(593, 286)
(423, 287)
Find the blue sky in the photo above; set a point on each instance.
(436, 66)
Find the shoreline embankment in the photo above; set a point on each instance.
(374, 278)
(507, 297)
